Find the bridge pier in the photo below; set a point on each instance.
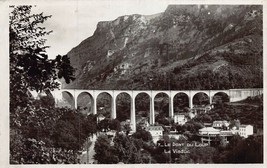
(211, 97)
(152, 111)
(190, 102)
(171, 113)
(94, 106)
(75, 105)
(113, 108)
(133, 123)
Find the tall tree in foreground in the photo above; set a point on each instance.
(30, 69)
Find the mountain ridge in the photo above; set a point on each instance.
(184, 47)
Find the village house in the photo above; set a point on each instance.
(156, 132)
(245, 130)
(180, 119)
(208, 134)
(207, 124)
(221, 124)
(100, 117)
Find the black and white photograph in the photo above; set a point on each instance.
(135, 82)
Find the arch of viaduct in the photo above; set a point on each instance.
(233, 94)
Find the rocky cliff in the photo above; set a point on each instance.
(185, 47)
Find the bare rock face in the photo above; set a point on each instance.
(185, 47)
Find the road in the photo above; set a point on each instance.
(91, 152)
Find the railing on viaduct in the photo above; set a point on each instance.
(233, 94)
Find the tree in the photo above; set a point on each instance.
(234, 123)
(123, 107)
(127, 128)
(103, 125)
(30, 68)
(90, 124)
(203, 118)
(142, 134)
(179, 128)
(161, 119)
(123, 148)
(115, 125)
(47, 136)
(160, 156)
(32, 123)
(128, 149)
(112, 124)
(104, 152)
(201, 99)
(249, 150)
(202, 155)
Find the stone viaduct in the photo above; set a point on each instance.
(233, 94)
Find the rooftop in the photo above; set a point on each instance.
(155, 128)
(243, 125)
(100, 115)
(208, 129)
(220, 122)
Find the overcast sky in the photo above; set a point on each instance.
(74, 21)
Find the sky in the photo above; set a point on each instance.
(74, 21)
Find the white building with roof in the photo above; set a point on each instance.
(180, 119)
(245, 130)
(209, 131)
(156, 132)
(208, 134)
